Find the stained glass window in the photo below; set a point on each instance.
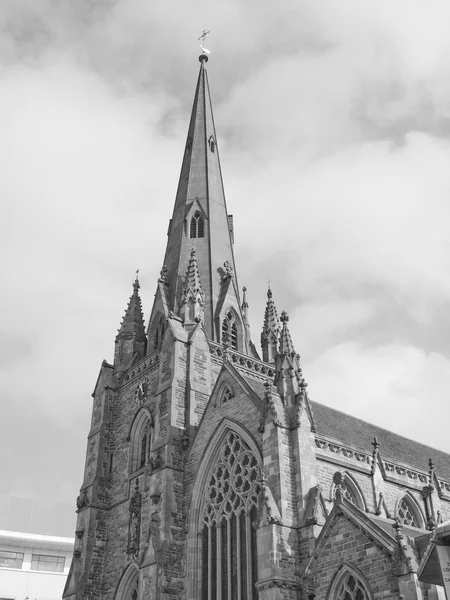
(229, 567)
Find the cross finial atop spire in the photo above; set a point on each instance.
(204, 55)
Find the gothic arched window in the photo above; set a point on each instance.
(351, 588)
(408, 513)
(349, 584)
(230, 330)
(140, 441)
(197, 228)
(351, 491)
(229, 566)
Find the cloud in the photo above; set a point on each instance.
(333, 127)
(391, 386)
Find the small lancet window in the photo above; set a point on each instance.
(212, 143)
(143, 456)
(159, 334)
(197, 228)
(230, 330)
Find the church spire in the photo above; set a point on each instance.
(271, 330)
(200, 220)
(130, 341)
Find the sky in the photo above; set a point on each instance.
(333, 121)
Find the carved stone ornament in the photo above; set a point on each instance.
(228, 269)
(82, 500)
(134, 526)
(157, 460)
(142, 392)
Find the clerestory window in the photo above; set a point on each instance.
(197, 228)
(406, 513)
(229, 562)
(350, 491)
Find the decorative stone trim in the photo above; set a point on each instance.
(405, 472)
(284, 584)
(145, 363)
(242, 360)
(343, 451)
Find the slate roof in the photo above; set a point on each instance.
(355, 432)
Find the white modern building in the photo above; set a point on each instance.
(33, 566)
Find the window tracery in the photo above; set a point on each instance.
(228, 531)
(351, 589)
(350, 491)
(197, 227)
(406, 513)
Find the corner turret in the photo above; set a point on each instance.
(131, 341)
(288, 373)
(271, 330)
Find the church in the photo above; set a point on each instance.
(210, 474)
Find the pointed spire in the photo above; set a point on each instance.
(286, 345)
(200, 219)
(131, 339)
(271, 330)
(192, 300)
(133, 320)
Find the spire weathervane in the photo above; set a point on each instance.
(201, 39)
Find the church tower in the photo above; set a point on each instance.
(209, 473)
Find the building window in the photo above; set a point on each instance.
(197, 229)
(140, 437)
(351, 589)
(230, 331)
(12, 560)
(44, 562)
(145, 442)
(159, 333)
(350, 490)
(229, 565)
(406, 513)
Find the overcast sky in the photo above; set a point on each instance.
(333, 120)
